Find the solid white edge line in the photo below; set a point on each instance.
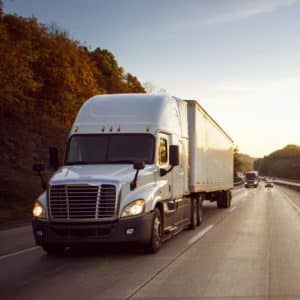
(19, 252)
(199, 235)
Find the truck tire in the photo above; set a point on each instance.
(53, 249)
(224, 199)
(200, 211)
(227, 199)
(220, 200)
(156, 233)
(194, 213)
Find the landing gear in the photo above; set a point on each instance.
(196, 211)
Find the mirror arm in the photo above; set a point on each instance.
(133, 182)
(43, 181)
(164, 172)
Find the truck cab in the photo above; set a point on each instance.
(251, 179)
(124, 176)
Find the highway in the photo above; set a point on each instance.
(251, 250)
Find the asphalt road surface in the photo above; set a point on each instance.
(251, 250)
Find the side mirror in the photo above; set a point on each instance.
(139, 165)
(53, 158)
(174, 155)
(38, 168)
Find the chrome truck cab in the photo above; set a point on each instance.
(124, 177)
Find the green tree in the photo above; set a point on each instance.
(237, 163)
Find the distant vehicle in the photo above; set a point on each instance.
(269, 183)
(137, 168)
(251, 179)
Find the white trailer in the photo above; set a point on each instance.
(137, 169)
(210, 156)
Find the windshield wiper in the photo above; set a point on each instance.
(121, 161)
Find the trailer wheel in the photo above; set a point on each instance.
(200, 211)
(194, 213)
(53, 249)
(156, 233)
(226, 199)
(220, 200)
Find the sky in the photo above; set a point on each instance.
(239, 58)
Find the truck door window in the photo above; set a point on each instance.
(163, 151)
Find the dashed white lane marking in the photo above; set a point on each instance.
(199, 235)
(232, 209)
(19, 252)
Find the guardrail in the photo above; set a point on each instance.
(239, 182)
(293, 184)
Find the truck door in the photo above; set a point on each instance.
(172, 194)
(179, 181)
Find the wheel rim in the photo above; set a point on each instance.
(156, 231)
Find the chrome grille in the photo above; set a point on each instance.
(82, 202)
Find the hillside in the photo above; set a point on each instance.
(44, 78)
(247, 162)
(283, 163)
(242, 163)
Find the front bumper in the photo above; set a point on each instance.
(69, 234)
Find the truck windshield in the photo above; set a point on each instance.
(250, 176)
(110, 148)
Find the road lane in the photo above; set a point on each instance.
(19, 239)
(16, 239)
(110, 273)
(240, 252)
(253, 254)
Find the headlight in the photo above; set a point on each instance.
(134, 208)
(38, 211)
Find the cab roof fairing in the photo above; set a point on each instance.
(135, 113)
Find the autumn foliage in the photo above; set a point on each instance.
(43, 70)
(44, 78)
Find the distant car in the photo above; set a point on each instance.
(269, 184)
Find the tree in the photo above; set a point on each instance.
(41, 68)
(237, 163)
(133, 84)
(1, 8)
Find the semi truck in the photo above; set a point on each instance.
(251, 179)
(137, 168)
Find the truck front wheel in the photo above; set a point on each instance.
(156, 232)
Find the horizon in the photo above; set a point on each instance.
(239, 59)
